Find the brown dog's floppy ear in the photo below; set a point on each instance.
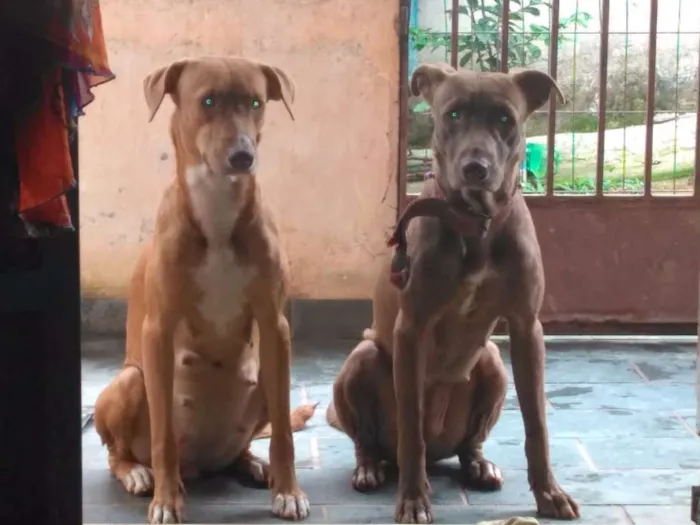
(160, 82)
(427, 77)
(536, 86)
(279, 87)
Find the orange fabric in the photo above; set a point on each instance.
(44, 162)
(43, 149)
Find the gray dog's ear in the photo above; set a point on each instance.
(279, 87)
(160, 82)
(427, 77)
(536, 86)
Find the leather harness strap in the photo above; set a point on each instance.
(469, 223)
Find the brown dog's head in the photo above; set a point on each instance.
(219, 108)
(478, 122)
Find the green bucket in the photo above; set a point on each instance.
(536, 160)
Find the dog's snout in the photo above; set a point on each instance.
(475, 168)
(241, 157)
(241, 160)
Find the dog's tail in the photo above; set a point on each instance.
(300, 415)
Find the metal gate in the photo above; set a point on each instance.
(615, 261)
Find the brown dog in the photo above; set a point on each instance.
(208, 347)
(427, 383)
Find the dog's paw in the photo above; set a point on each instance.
(291, 506)
(254, 468)
(555, 503)
(161, 512)
(414, 510)
(368, 476)
(138, 481)
(481, 474)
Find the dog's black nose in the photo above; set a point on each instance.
(478, 169)
(241, 160)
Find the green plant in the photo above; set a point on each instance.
(481, 46)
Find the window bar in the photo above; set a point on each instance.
(696, 175)
(454, 40)
(651, 97)
(505, 35)
(603, 95)
(552, 117)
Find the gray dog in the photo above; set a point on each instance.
(426, 383)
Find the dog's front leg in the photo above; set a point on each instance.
(413, 505)
(167, 505)
(288, 500)
(528, 355)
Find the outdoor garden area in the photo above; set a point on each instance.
(578, 66)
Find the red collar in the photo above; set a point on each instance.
(434, 203)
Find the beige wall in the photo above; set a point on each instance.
(330, 176)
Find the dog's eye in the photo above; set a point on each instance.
(455, 115)
(504, 119)
(208, 102)
(255, 103)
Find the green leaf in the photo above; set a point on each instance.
(538, 29)
(534, 51)
(466, 59)
(531, 10)
(493, 10)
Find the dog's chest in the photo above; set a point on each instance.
(222, 282)
(470, 288)
(221, 278)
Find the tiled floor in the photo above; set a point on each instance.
(621, 424)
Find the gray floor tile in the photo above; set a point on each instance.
(336, 452)
(647, 453)
(671, 367)
(473, 514)
(621, 396)
(595, 515)
(659, 515)
(115, 513)
(613, 423)
(97, 374)
(510, 454)
(194, 513)
(591, 367)
(385, 514)
(632, 487)
(688, 416)
(635, 433)
(332, 487)
(510, 426)
(664, 487)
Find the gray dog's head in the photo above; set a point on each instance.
(478, 123)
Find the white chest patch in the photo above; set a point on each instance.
(214, 204)
(221, 278)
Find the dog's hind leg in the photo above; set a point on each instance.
(247, 464)
(363, 407)
(486, 399)
(120, 412)
(252, 467)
